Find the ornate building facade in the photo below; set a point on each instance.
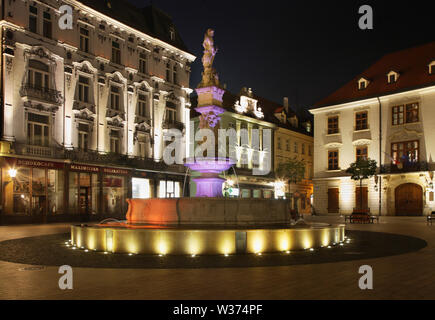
(85, 111)
(386, 114)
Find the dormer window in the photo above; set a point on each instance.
(392, 77)
(432, 67)
(362, 84)
(172, 33)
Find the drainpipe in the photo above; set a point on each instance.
(380, 155)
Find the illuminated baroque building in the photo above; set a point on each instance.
(85, 111)
(387, 114)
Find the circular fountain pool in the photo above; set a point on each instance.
(205, 226)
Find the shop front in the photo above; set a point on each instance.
(35, 191)
(32, 190)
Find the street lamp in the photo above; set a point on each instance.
(12, 172)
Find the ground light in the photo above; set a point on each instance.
(288, 252)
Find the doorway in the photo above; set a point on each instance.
(409, 200)
(85, 200)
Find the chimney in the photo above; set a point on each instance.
(285, 104)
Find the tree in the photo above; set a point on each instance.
(360, 170)
(293, 170)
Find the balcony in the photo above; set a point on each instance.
(94, 157)
(40, 93)
(37, 151)
(173, 125)
(405, 168)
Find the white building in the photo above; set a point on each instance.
(84, 111)
(387, 114)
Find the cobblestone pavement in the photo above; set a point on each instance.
(406, 276)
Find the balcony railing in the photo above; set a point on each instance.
(173, 125)
(41, 93)
(405, 167)
(35, 151)
(94, 157)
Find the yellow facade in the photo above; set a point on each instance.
(289, 144)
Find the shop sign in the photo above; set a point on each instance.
(85, 168)
(115, 171)
(34, 163)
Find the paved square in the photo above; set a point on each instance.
(407, 276)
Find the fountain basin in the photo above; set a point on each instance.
(203, 241)
(209, 211)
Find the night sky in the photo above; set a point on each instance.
(301, 49)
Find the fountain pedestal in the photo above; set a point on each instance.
(209, 184)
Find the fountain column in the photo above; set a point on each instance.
(210, 97)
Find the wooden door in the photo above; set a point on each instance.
(333, 200)
(409, 200)
(364, 198)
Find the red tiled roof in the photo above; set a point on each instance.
(411, 64)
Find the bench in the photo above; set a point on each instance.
(430, 217)
(361, 218)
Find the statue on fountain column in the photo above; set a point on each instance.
(209, 75)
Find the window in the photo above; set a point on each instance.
(174, 75)
(405, 114)
(361, 121)
(309, 151)
(432, 69)
(142, 63)
(398, 116)
(142, 149)
(169, 189)
(392, 78)
(287, 145)
(171, 115)
(46, 27)
(38, 130)
(83, 89)
(168, 72)
(116, 53)
(405, 152)
(412, 112)
(83, 141)
(362, 84)
(33, 19)
(361, 153)
(279, 143)
(114, 141)
(172, 33)
(84, 40)
(332, 125)
(38, 75)
(333, 160)
(141, 105)
(296, 148)
(303, 148)
(114, 98)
